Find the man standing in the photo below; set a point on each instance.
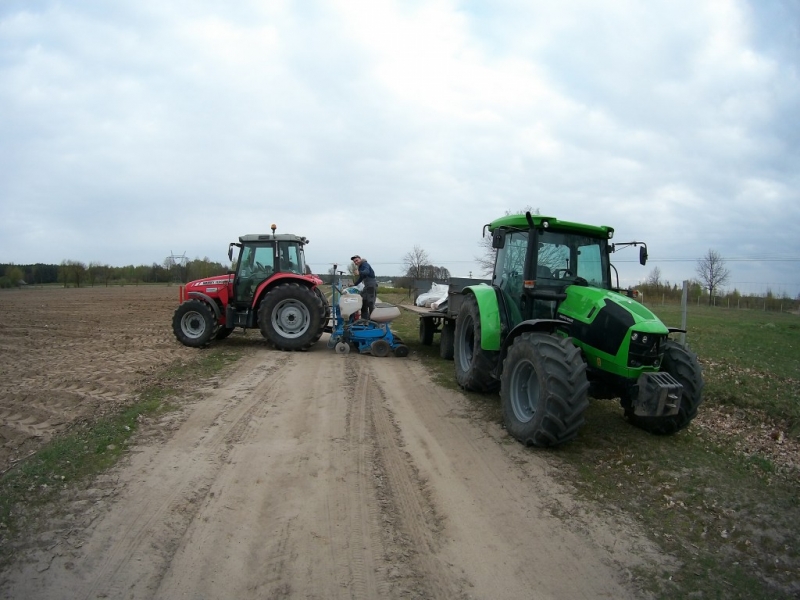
(370, 291)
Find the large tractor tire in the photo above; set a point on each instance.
(447, 339)
(473, 364)
(544, 390)
(682, 364)
(290, 316)
(194, 323)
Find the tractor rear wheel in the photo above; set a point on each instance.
(682, 364)
(193, 323)
(544, 389)
(473, 364)
(290, 316)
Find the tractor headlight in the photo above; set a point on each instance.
(644, 350)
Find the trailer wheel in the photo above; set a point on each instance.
(426, 330)
(446, 339)
(401, 350)
(473, 364)
(290, 316)
(682, 364)
(544, 390)
(193, 323)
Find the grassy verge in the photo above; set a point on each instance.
(728, 518)
(92, 446)
(750, 358)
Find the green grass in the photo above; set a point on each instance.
(750, 358)
(728, 518)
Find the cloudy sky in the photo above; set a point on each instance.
(132, 130)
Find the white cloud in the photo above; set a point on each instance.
(139, 129)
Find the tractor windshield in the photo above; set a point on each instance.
(565, 256)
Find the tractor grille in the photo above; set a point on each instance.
(644, 350)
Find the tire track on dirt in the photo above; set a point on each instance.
(469, 470)
(405, 500)
(150, 518)
(362, 504)
(174, 510)
(305, 519)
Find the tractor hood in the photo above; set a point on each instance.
(209, 282)
(605, 321)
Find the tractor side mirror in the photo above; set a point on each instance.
(643, 255)
(498, 239)
(230, 252)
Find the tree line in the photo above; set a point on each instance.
(707, 288)
(74, 273)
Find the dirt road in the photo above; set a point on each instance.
(317, 475)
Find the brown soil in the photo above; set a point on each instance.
(302, 475)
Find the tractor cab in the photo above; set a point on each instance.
(538, 260)
(262, 256)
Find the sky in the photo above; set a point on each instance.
(131, 131)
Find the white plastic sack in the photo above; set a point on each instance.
(437, 293)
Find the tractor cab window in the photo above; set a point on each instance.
(291, 258)
(256, 263)
(564, 257)
(257, 259)
(509, 269)
(591, 265)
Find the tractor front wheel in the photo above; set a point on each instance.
(193, 323)
(473, 364)
(290, 316)
(682, 364)
(543, 390)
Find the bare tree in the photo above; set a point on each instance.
(488, 254)
(654, 279)
(414, 262)
(712, 272)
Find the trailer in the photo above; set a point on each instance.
(442, 320)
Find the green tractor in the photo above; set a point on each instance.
(552, 329)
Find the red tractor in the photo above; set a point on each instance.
(271, 288)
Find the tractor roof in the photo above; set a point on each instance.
(519, 221)
(270, 237)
